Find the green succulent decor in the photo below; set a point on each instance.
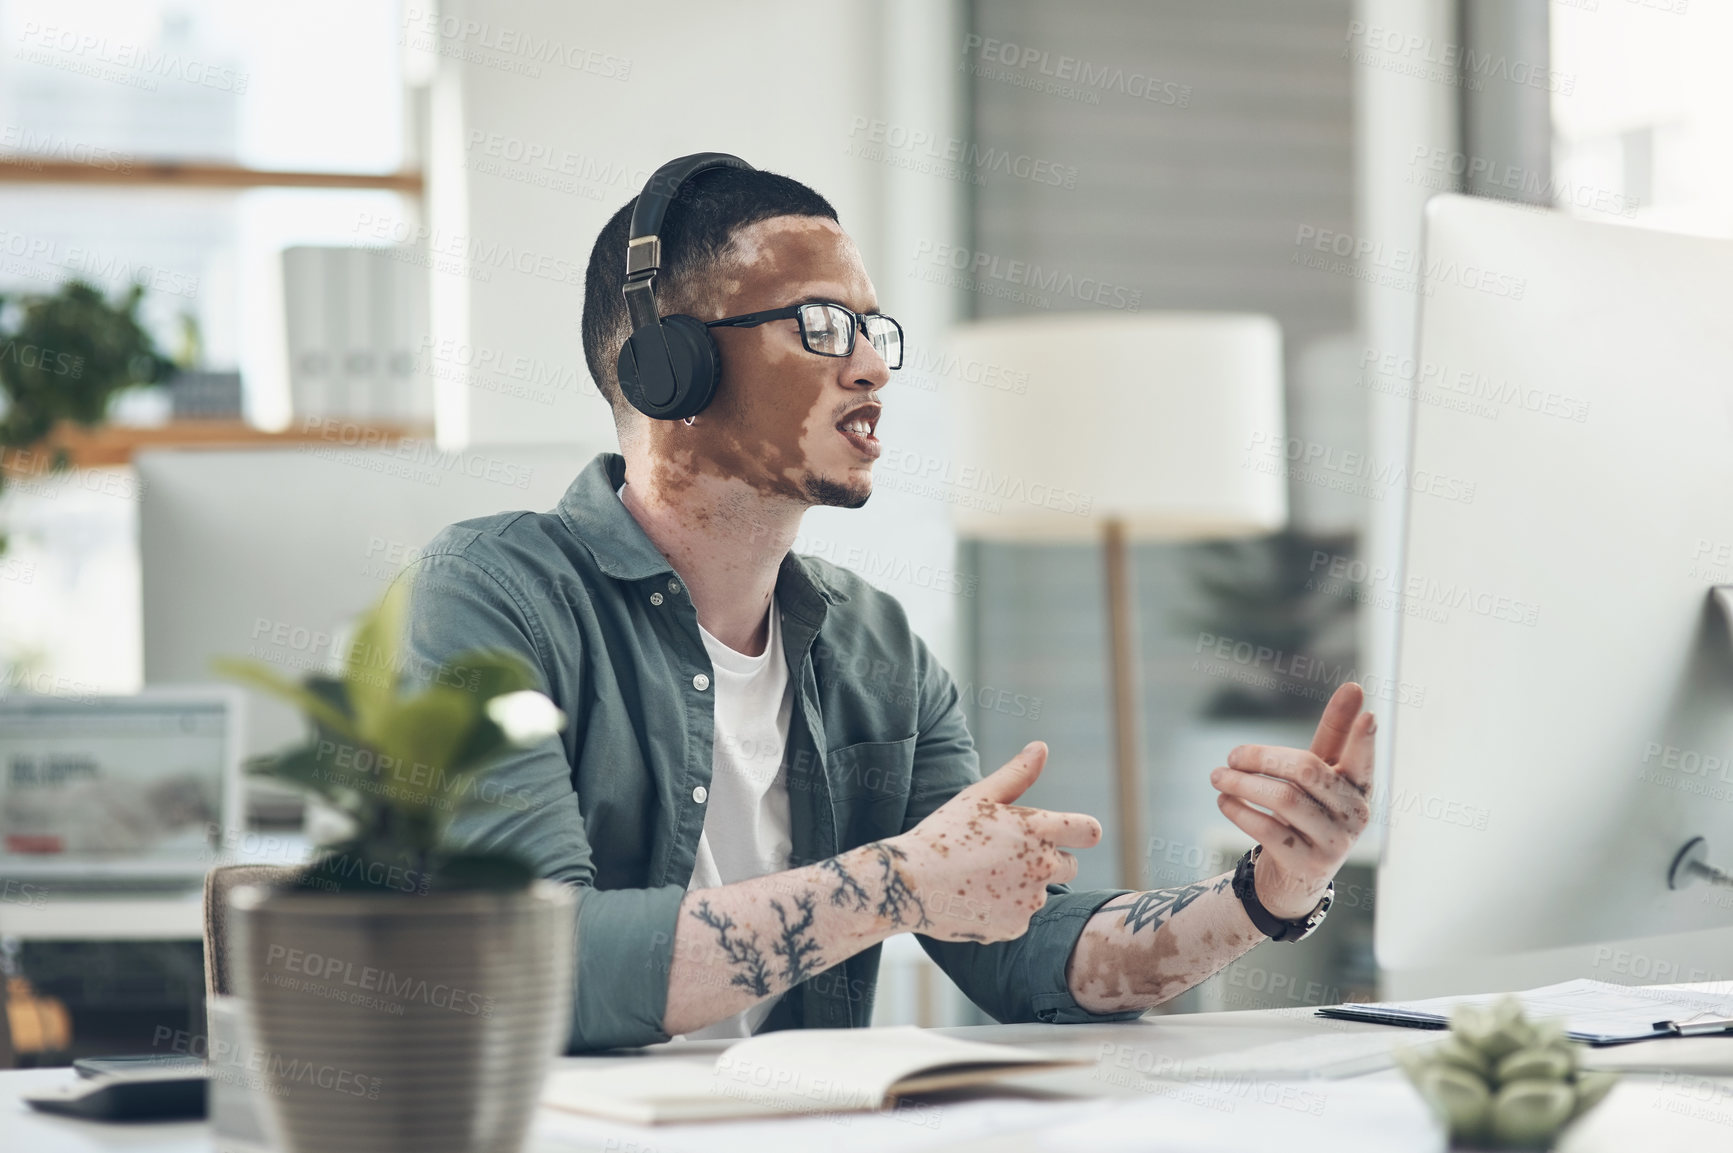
(398, 766)
(1500, 1081)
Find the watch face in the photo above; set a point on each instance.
(1316, 917)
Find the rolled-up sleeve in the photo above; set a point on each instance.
(525, 804)
(1020, 980)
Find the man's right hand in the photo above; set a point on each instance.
(981, 864)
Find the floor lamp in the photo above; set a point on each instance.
(1120, 428)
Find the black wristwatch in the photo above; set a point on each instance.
(1267, 922)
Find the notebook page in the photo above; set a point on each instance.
(845, 1069)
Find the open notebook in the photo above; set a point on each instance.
(792, 1071)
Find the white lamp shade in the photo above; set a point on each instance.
(1166, 421)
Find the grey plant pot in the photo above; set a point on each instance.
(387, 1022)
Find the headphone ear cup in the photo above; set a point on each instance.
(669, 372)
(642, 355)
(697, 365)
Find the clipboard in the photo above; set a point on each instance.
(1688, 1027)
(1594, 1012)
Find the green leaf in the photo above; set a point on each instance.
(263, 677)
(425, 733)
(484, 743)
(362, 866)
(1459, 1098)
(1537, 1064)
(1456, 1051)
(1529, 1114)
(487, 673)
(481, 871)
(300, 767)
(343, 781)
(370, 669)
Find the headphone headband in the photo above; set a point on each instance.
(664, 184)
(644, 243)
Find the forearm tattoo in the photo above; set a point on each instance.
(848, 890)
(799, 954)
(1155, 908)
(752, 973)
(898, 899)
(798, 951)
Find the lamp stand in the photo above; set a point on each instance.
(1123, 682)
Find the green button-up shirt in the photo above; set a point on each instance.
(877, 741)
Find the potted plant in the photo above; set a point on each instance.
(1500, 1081)
(63, 357)
(404, 994)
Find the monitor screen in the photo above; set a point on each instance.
(111, 777)
(1573, 681)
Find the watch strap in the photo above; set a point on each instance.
(1266, 922)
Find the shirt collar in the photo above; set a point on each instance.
(602, 524)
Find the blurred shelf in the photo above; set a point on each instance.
(91, 917)
(110, 445)
(16, 169)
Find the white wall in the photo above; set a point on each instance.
(640, 83)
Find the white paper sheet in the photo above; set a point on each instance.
(1374, 1114)
(1592, 1010)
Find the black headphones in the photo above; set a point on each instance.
(669, 366)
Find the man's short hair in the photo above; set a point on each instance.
(697, 234)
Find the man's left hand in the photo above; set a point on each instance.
(1318, 802)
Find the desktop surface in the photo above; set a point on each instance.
(1113, 1104)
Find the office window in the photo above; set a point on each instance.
(1643, 116)
(96, 96)
(119, 85)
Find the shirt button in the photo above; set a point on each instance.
(700, 794)
(700, 682)
(673, 585)
(655, 598)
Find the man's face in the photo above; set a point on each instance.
(776, 421)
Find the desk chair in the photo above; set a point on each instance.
(218, 884)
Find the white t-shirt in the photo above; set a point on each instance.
(746, 828)
(746, 824)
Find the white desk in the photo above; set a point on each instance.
(1101, 1109)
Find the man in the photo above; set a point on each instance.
(766, 773)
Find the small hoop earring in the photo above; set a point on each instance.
(689, 420)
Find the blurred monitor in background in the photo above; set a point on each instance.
(271, 555)
(112, 791)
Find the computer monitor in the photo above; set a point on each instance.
(271, 555)
(119, 788)
(1570, 508)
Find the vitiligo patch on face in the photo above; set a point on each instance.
(772, 425)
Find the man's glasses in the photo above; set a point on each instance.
(828, 329)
